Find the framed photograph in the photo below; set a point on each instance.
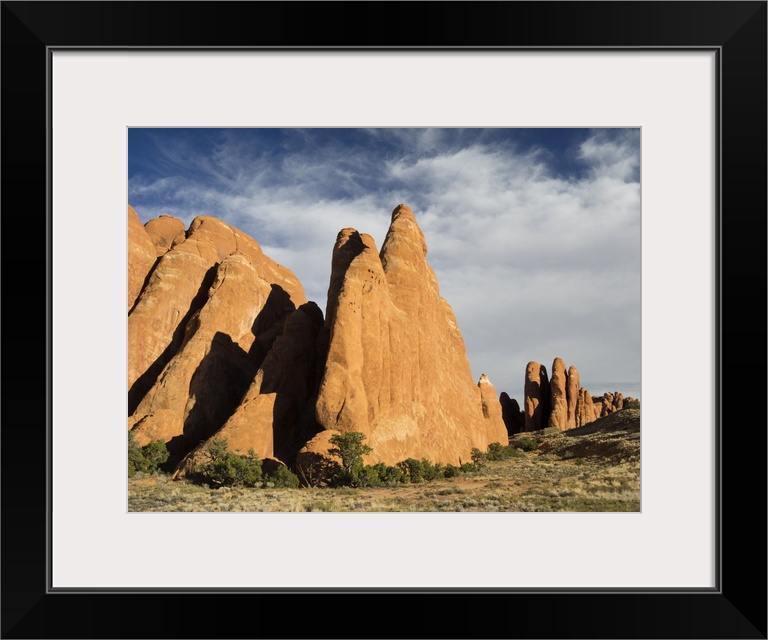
(687, 79)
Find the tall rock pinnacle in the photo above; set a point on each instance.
(397, 368)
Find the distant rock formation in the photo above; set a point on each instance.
(558, 402)
(537, 397)
(572, 397)
(558, 416)
(610, 402)
(585, 408)
(397, 368)
(513, 416)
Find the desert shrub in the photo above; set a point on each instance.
(228, 469)
(146, 459)
(633, 404)
(468, 467)
(387, 475)
(497, 451)
(393, 475)
(350, 448)
(479, 458)
(411, 468)
(514, 452)
(451, 471)
(429, 470)
(316, 470)
(526, 443)
(282, 477)
(381, 470)
(369, 476)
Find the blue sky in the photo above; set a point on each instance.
(534, 234)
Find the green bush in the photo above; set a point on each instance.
(369, 477)
(350, 448)
(526, 443)
(429, 470)
(282, 477)
(496, 452)
(478, 457)
(633, 404)
(393, 475)
(451, 471)
(146, 459)
(228, 469)
(411, 468)
(385, 475)
(468, 467)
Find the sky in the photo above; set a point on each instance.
(534, 234)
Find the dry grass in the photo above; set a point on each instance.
(595, 468)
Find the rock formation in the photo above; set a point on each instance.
(572, 396)
(491, 405)
(514, 418)
(558, 416)
(537, 398)
(198, 333)
(273, 417)
(609, 402)
(397, 368)
(222, 344)
(585, 409)
(141, 256)
(559, 403)
(166, 232)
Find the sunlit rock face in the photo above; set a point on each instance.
(396, 367)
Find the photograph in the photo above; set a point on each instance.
(384, 319)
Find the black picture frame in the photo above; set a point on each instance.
(736, 608)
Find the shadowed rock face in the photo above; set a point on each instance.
(178, 288)
(272, 418)
(513, 416)
(396, 367)
(199, 332)
(537, 400)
